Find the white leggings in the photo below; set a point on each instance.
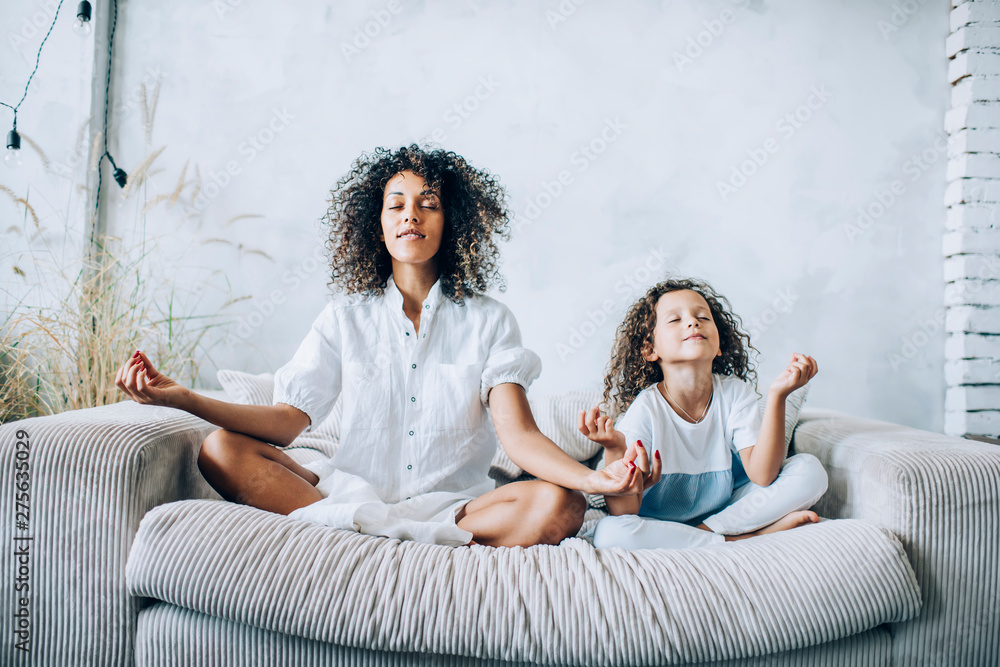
(800, 483)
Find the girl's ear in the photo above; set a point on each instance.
(647, 352)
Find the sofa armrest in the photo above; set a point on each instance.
(941, 496)
(93, 475)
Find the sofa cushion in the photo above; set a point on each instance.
(564, 604)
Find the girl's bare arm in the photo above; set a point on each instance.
(763, 461)
(276, 424)
(600, 428)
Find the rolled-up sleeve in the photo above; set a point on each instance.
(744, 419)
(508, 360)
(311, 380)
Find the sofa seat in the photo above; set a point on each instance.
(169, 636)
(556, 605)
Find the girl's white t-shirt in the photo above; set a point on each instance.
(700, 461)
(414, 403)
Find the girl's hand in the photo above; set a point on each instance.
(601, 429)
(629, 475)
(801, 369)
(145, 385)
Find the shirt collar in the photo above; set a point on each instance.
(395, 298)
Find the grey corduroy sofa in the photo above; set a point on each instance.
(905, 573)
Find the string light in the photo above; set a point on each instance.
(13, 156)
(82, 24)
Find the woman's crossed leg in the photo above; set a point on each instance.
(249, 471)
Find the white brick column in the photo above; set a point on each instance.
(972, 236)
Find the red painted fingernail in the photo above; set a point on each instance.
(657, 453)
(631, 465)
(136, 354)
(638, 443)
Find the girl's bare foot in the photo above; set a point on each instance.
(787, 522)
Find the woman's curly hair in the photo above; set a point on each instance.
(475, 213)
(629, 373)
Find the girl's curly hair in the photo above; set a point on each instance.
(629, 373)
(475, 214)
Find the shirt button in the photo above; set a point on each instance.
(409, 467)
(425, 335)
(407, 333)
(407, 497)
(413, 365)
(413, 399)
(411, 432)
(427, 306)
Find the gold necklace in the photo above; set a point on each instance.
(693, 420)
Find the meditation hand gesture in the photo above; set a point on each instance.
(801, 369)
(601, 429)
(635, 463)
(621, 461)
(145, 385)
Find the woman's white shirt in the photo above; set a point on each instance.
(414, 402)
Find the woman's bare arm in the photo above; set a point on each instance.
(276, 424)
(532, 451)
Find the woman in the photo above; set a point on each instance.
(419, 353)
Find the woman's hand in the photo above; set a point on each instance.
(629, 475)
(601, 429)
(801, 369)
(145, 385)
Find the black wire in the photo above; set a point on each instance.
(107, 83)
(37, 60)
(107, 99)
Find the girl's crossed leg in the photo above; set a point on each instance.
(751, 510)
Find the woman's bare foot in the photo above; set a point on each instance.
(787, 522)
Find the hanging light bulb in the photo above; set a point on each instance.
(82, 24)
(121, 178)
(13, 157)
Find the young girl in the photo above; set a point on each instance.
(418, 352)
(681, 375)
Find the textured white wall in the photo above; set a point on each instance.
(523, 88)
